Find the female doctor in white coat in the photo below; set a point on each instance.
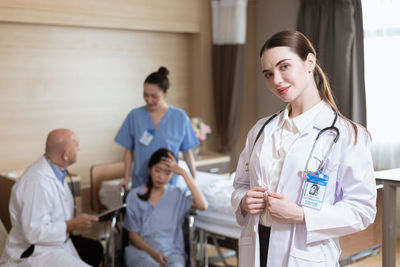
(285, 221)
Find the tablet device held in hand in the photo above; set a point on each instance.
(108, 214)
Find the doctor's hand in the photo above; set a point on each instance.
(283, 209)
(254, 200)
(81, 222)
(160, 258)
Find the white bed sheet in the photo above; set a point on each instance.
(218, 218)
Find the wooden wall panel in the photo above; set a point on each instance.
(201, 94)
(150, 15)
(80, 78)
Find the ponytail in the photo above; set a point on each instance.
(146, 196)
(325, 92)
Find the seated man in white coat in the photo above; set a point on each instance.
(42, 212)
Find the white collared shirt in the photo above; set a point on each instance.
(273, 155)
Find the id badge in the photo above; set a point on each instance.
(314, 190)
(147, 137)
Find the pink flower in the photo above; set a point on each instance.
(201, 129)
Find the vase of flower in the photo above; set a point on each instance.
(202, 131)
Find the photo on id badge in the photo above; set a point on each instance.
(315, 183)
(313, 191)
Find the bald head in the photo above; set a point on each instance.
(62, 146)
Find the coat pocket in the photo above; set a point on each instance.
(332, 250)
(314, 258)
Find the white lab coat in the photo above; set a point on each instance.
(349, 204)
(39, 207)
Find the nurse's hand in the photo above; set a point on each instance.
(160, 258)
(254, 200)
(283, 209)
(124, 183)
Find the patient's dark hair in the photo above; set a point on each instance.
(155, 158)
(159, 78)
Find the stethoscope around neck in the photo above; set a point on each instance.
(72, 190)
(336, 134)
(325, 130)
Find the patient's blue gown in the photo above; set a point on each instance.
(160, 225)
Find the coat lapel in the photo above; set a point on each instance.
(257, 170)
(64, 194)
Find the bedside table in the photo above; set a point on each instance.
(213, 162)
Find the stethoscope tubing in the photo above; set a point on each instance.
(326, 129)
(330, 128)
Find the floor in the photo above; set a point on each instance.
(376, 261)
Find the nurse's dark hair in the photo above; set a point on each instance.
(159, 78)
(154, 159)
(300, 45)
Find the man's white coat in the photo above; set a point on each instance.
(39, 207)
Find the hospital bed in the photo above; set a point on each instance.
(216, 225)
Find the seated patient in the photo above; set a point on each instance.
(155, 214)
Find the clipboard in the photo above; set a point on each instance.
(109, 214)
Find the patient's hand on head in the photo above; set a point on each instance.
(173, 166)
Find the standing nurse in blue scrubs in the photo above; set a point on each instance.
(153, 126)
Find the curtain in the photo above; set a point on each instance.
(229, 33)
(335, 27)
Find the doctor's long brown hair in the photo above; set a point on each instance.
(302, 47)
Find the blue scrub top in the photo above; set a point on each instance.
(160, 226)
(174, 132)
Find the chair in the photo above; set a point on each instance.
(119, 239)
(6, 184)
(100, 173)
(3, 237)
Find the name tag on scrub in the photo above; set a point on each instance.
(147, 137)
(314, 190)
